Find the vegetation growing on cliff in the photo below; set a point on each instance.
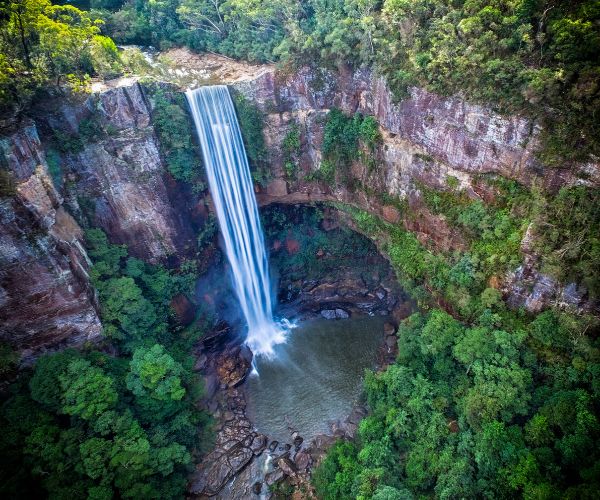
(347, 139)
(532, 56)
(174, 127)
(495, 403)
(93, 425)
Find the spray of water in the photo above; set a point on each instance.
(233, 196)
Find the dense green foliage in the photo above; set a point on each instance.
(532, 56)
(251, 122)
(564, 227)
(568, 228)
(500, 405)
(290, 148)
(92, 425)
(345, 140)
(476, 411)
(174, 127)
(41, 43)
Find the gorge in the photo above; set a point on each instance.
(330, 272)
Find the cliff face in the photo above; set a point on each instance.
(427, 139)
(116, 177)
(119, 176)
(45, 298)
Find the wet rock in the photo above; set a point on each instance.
(389, 329)
(335, 313)
(200, 363)
(273, 477)
(328, 313)
(302, 460)
(273, 446)
(233, 366)
(298, 441)
(341, 314)
(287, 466)
(238, 457)
(259, 443)
(257, 488)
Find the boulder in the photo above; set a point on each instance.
(335, 313)
(287, 466)
(185, 310)
(277, 187)
(389, 329)
(391, 214)
(274, 477)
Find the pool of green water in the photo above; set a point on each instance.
(315, 377)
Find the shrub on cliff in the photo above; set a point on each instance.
(174, 127)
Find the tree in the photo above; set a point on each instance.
(87, 392)
(154, 373)
(125, 306)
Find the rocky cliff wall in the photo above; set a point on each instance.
(112, 175)
(427, 139)
(120, 177)
(45, 298)
(117, 178)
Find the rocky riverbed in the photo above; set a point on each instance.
(246, 463)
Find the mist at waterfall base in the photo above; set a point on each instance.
(232, 192)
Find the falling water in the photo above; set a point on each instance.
(233, 195)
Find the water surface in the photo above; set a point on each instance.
(315, 377)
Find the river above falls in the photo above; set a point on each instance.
(315, 377)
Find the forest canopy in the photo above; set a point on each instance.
(537, 57)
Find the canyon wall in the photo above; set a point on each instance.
(46, 301)
(428, 140)
(114, 176)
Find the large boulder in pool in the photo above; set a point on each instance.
(335, 313)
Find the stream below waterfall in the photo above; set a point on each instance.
(314, 378)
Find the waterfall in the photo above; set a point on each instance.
(232, 191)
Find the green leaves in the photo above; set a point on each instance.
(155, 373)
(174, 128)
(44, 44)
(87, 391)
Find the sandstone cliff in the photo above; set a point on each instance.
(427, 139)
(115, 176)
(45, 298)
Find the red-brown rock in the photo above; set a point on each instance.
(184, 309)
(292, 246)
